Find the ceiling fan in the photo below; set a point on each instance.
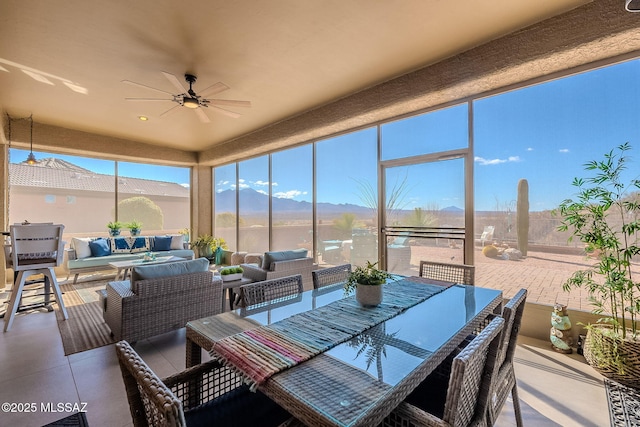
(192, 100)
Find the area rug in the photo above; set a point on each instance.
(624, 404)
(85, 328)
(79, 419)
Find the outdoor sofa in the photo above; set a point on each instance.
(88, 255)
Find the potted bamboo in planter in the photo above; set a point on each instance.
(604, 216)
(367, 282)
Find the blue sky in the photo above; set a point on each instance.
(543, 133)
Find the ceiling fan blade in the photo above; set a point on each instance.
(230, 103)
(148, 99)
(175, 82)
(129, 82)
(213, 89)
(170, 110)
(202, 116)
(225, 112)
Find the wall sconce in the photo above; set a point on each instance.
(31, 159)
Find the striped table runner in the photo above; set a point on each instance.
(259, 353)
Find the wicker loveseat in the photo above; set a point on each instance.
(161, 298)
(278, 264)
(85, 255)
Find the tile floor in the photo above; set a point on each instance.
(555, 389)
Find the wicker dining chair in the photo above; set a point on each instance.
(463, 398)
(453, 273)
(505, 379)
(330, 275)
(270, 290)
(206, 394)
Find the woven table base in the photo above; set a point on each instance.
(624, 404)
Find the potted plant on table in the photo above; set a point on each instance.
(204, 245)
(367, 282)
(230, 274)
(114, 228)
(135, 227)
(604, 216)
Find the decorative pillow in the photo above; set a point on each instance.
(100, 247)
(177, 241)
(81, 246)
(168, 269)
(162, 243)
(271, 257)
(120, 245)
(139, 244)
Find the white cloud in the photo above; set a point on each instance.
(564, 150)
(261, 183)
(262, 192)
(529, 149)
(242, 186)
(486, 162)
(186, 185)
(288, 194)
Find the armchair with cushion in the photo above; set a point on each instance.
(160, 298)
(281, 264)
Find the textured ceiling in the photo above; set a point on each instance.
(64, 60)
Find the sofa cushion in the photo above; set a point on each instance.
(100, 247)
(161, 243)
(154, 271)
(177, 241)
(120, 245)
(271, 257)
(81, 246)
(125, 245)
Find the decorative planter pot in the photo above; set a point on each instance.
(231, 277)
(206, 252)
(135, 232)
(613, 358)
(114, 233)
(369, 295)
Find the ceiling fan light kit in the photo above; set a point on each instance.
(192, 100)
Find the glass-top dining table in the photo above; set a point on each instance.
(360, 381)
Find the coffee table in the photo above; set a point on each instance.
(125, 267)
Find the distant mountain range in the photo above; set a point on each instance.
(252, 201)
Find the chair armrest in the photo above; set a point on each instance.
(71, 253)
(119, 290)
(254, 272)
(407, 414)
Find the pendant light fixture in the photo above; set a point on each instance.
(31, 159)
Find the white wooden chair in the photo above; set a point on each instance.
(35, 249)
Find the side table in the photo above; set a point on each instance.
(231, 286)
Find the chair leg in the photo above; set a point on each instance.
(56, 288)
(14, 301)
(516, 405)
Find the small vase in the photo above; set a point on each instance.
(218, 254)
(114, 233)
(135, 232)
(369, 295)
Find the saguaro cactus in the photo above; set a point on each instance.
(522, 216)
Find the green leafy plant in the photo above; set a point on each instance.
(114, 225)
(604, 216)
(134, 225)
(365, 275)
(231, 270)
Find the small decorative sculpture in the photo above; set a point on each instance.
(561, 339)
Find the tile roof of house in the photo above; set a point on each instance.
(59, 174)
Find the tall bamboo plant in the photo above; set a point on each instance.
(604, 216)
